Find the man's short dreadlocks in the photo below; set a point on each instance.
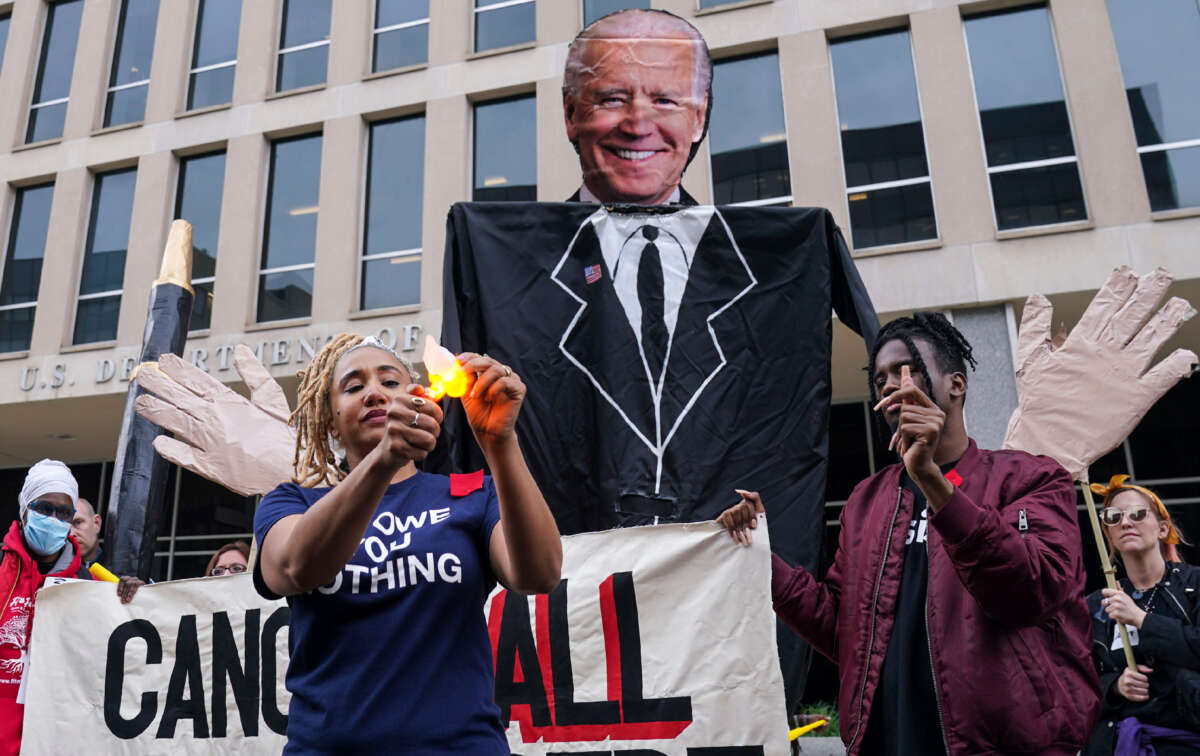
(950, 347)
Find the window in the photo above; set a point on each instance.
(506, 150)
(4, 19)
(1159, 47)
(303, 44)
(747, 136)
(401, 34)
(883, 145)
(285, 282)
(22, 271)
(198, 201)
(596, 9)
(130, 77)
(391, 257)
(1031, 160)
(104, 257)
(53, 84)
(502, 23)
(214, 53)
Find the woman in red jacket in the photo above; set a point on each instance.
(36, 547)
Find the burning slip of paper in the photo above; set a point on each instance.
(446, 376)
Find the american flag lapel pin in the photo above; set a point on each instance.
(591, 273)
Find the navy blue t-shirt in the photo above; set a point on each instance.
(393, 656)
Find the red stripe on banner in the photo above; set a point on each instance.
(600, 733)
(612, 642)
(495, 613)
(542, 639)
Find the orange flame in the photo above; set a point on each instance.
(446, 376)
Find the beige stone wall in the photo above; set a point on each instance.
(969, 265)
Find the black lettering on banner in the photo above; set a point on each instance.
(114, 678)
(189, 671)
(636, 708)
(275, 719)
(566, 710)
(515, 646)
(243, 680)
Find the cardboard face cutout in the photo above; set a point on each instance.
(634, 108)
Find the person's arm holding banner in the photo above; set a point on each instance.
(809, 606)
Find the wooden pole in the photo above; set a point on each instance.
(1106, 564)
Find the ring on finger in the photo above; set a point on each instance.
(507, 371)
(418, 401)
(416, 421)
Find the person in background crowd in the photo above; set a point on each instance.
(85, 526)
(230, 559)
(954, 606)
(386, 569)
(1156, 705)
(37, 546)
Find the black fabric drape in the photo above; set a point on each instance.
(747, 390)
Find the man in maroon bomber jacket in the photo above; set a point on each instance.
(954, 607)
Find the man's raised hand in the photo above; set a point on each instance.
(245, 446)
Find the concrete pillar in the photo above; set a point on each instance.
(19, 69)
(558, 174)
(93, 63)
(59, 286)
(957, 165)
(351, 29)
(447, 152)
(339, 235)
(697, 178)
(1113, 183)
(992, 388)
(239, 249)
(450, 24)
(169, 67)
(258, 44)
(814, 145)
(557, 21)
(152, 195)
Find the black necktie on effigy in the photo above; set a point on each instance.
(650, 296)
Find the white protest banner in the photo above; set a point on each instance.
(659, 640)
(191, 666)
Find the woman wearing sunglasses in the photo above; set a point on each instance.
(1157, 704)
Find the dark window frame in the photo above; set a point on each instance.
(1018, 168)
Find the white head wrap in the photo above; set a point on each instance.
(47, 476)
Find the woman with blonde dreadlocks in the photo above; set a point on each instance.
(1157, 705)
(386, 568)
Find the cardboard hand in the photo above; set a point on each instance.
(1077, 402)
(243, 445)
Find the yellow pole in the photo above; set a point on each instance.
(793, 734)
(1106, 564)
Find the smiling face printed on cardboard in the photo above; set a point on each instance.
(634, 101)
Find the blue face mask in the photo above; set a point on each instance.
(45, 535)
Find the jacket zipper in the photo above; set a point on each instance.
(862, 688)
(937, 698)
